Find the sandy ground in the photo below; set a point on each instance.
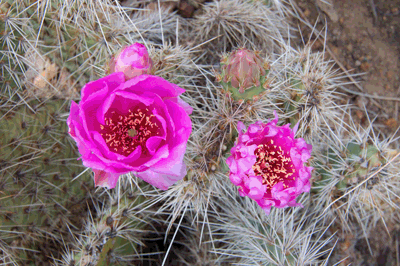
(363, 35)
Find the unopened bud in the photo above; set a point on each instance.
(133, 61)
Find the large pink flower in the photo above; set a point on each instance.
(139, 125)
(267, 164)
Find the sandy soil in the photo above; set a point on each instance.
(364, 37)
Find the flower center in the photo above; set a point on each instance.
(123, 133)
(273, 164)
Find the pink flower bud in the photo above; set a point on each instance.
(243, 69)
(133, 61)
(244, 74)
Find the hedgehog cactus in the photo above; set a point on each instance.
(244, 74)
(360, 160)
(367, 160)
(49, 208)
(39, 196)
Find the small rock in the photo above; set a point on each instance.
(365, 66)
(359, 114)
(361, 102)
(329, 10)
(335, 32)
(358, 63)
(391, 123)
(335, 50)
(349, 47)
(317, 45)
(168, 6)
(186, 10)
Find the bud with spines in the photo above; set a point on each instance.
(243, 74)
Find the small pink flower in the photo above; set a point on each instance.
(139, 125)
(133, 61)
(267, 164)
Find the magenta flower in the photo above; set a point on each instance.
(267, 164)
(140, 125)
(133, 60)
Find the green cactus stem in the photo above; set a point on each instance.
(360, 159)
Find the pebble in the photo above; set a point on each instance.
(365, 66)
(361, 102)
(359, 114)
(335, 50)
(391, 123)
(186, 10)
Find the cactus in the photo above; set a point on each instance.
(355, 180)
(250, 237)
(39, 165)
(50, 212)
(226, 24)
(175, 63)
(360, 159)
(15, 33)
(42, 203)
(311, 97)
(113, 234)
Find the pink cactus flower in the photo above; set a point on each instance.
(133, 60)
(140, 125)
(267, 163)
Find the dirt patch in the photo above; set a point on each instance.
(364, 36)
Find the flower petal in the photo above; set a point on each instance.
(105, 179)
(188, 109)
(73, 116)
(154, 84)
(153, 143)
(110, 82)
(235, 179)
(163, 180)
